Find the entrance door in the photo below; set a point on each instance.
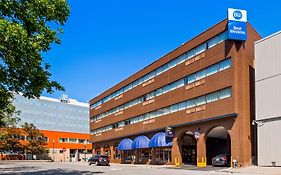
(189, 149)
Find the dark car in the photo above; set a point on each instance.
(221, 160)
(99, 160)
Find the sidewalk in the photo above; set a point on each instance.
(254, 170)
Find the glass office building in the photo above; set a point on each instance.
(64, 122)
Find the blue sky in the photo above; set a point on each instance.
(106, 41)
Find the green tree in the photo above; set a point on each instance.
(36, 142)
(28, 28)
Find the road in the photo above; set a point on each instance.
(68, 168)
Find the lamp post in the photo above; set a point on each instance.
(85, 147)
(53, 149)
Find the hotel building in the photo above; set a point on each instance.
(188, 106)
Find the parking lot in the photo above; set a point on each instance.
(35, 167)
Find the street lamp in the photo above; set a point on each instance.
(53, 149)
(85, 147)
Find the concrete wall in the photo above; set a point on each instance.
(268, 95)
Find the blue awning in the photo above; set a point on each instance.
(141, 142)
(125, 144)
(159, 140)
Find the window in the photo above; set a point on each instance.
(212, 70)
(182, 105)
(212, 42)
(200, 100)
(181, 58)
(165, 67)
(165, 89)
(200, 49)
(190, 54)
(212, 97)
(158, 92)
(225, 64)
(201, 74)
(190, 78)
(225, 93)
(173, 86)
(174, 108)
(173, 63)
(159, 70)
(180, 83)
(190, 103)
(166, 111)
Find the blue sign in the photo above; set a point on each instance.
(237, 30)
(237, 24)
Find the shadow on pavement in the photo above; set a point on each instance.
(36, 170)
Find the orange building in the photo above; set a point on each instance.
(64, 122)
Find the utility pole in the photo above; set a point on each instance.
(53, 149)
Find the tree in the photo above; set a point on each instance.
(28, 28)
(36, 143)
(11, 140)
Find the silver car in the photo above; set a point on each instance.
(221, 160)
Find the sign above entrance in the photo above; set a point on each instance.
(169, 132)
(237, 24)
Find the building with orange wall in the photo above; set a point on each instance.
(64, 122)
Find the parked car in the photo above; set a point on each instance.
(99, 160)
(221, 160)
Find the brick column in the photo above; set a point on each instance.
(112, 151)
(201, 151)
(176, 154)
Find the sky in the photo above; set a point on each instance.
(104, 42)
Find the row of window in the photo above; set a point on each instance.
(225, 64)
(73, 140)
(199, 49)
(201, 100)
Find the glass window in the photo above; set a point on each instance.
(159, 70)
(190, 54)
(190, 103)
(225, 93)
(200, 49)
(182, 105)
(151, 75)
(181, 58)
(174, 108)
(212, 69)
(165, 67)
(158, 92)
(225, 64)
(173, 63)
(201, 74)
(173, 86)
(191, 78)
(141, 118)
(166, 110)
(212, 42)
(200, 100)
(212, 97)
(166, 89)
(222, 37)
(180, 83)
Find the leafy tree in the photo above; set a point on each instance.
(28, 28)
(36, 143)
(11, 139)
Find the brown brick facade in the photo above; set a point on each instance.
(232, 113)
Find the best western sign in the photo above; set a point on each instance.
(237, 24)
